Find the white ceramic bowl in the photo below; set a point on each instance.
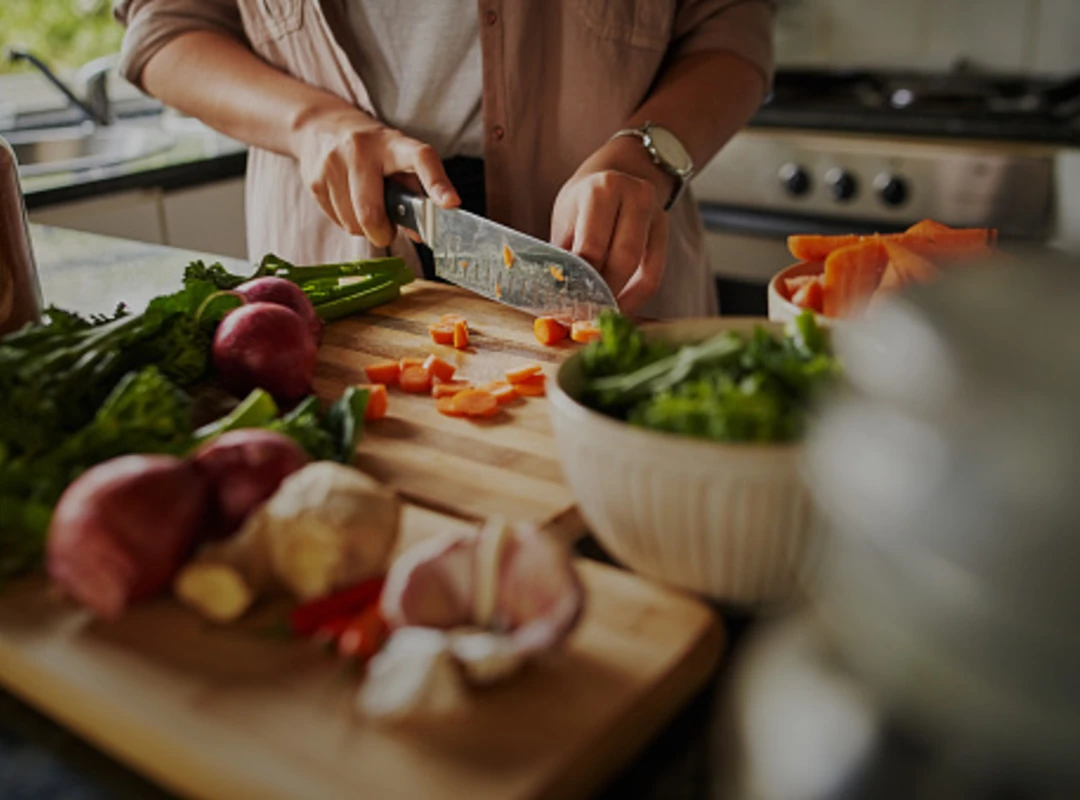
(781, 309)
(730, 521)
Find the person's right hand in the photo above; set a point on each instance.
(344, 157)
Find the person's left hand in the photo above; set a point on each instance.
(611, 213)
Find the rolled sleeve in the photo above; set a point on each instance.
(741, 27)
(152, 24)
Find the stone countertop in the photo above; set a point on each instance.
(40, 760)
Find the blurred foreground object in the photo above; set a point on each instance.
(20, 294)
(940, 655)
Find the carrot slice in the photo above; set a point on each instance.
(908, 264)
(933, 240)
(852, 274)
(533, 387)
(461, 334)
(442, 333)
(448, 388)
(384, 372)
(522, 374)
(445, 405)
(411, 362)
(378, 401)
(415, 379)
(476, 403)
(584, 331)
(799, 281)
(508, 256)
(817, 248)
(811, 295)
(549, 330)
(438, 368)
(505, 394)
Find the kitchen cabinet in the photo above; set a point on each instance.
(208, 218)
(135, 214)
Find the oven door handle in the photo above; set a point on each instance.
(778, 225)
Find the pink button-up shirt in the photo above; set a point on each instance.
(559, 77)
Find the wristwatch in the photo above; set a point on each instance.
(667, 152)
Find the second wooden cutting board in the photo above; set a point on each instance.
(506, 466)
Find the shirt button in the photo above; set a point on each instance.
(491, 17)
(497, 133)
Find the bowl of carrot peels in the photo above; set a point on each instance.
(839, 277)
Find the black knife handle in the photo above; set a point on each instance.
(402, 205)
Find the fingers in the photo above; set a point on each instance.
(410, 156)
(646, 280)
(595, 222)
(628, 242)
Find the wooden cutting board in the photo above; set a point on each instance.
(227, 713)
(506, 466)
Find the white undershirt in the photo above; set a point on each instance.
(420, 61)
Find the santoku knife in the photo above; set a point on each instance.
(500, 263)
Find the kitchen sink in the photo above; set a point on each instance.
(51, 150)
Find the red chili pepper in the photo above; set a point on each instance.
(308, 617)
(364, 635)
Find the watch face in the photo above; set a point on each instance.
(670, 149)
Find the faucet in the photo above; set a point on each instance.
(20, 292)
(95, 74)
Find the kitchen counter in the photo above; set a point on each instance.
(198, 156)
(39, 759)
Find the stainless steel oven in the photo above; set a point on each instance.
(864, 151)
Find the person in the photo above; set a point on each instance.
(533, 112)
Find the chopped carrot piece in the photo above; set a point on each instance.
(450, 319)
(448, 388)
(505, 393)
(811, 295)
(461, 334)
(584, 331)
(378, 401)
(439, 369)
(411, 362)
(442, 333)
(508, 256)
(891, 280)
(934, 240)
(522, 374)
(416, 380)
(476, 403)
(445, 405)
(557, 273)
(533, 387)
(852, 274)
(498, 291)
(549, 330)
(384, 372)
(799, 281)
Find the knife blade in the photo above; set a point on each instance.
(499, 263)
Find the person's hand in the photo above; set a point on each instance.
(345, 155)
(611, 213)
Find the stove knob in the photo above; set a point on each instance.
(794, 179)
(892, 190)
(842, 184)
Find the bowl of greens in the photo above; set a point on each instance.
(682, 442)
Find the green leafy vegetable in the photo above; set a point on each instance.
(732, 388)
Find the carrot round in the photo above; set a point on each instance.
(448, 388)
(378, 401)
(445, 405)
(533, 387)
(584, 331)
(442, 333)
(476, 403)
(384, 372)
(549, 330)
(415, 379)
(461, 334)
(438, 368)
(522, 374)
